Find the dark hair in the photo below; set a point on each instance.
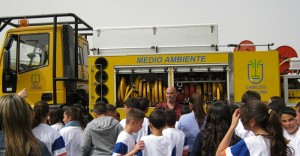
(110, 108)
(56, 115)
(269, 121)
(134, 114)
(197, 101)
(132, 103)
(232, 107)
(100, 108)
(40, 111)
(158, 118)
(118, 114)
(289, 111)
(170, 117)
(278, 99)
(76, 115)
(217, 123)
(144, 103)
(185, 109)
(160, 107)
(250, 95)
(277, 106)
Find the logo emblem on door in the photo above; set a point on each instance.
(35, 79)
(255, 71)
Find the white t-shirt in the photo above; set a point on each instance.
(58, 126)
(158, 146)
(294, 141)
(142, 132)
(178, 138)
(125, 143)
(51, 137)
(252, 145)
(241, 132)
(72, 136)
(123, 122)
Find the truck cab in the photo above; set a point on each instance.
(49, 59)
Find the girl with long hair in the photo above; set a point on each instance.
(16, 137)
(192, 123)
(217, 123)
(268, 139)
(51, 137)
(55, 119)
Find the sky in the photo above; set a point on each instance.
(260, 21)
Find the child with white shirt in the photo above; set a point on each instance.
(157, 144)
(125, 144)
(178, 137)
(290, 128)
(73, 130)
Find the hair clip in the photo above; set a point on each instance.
(270, 110)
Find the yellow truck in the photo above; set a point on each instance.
(53, 62)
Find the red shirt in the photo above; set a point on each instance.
(177, 108)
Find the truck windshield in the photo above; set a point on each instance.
(33, 51)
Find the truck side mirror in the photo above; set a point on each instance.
(8, 43)
(6, 60)
(6, 55)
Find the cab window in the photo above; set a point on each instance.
(85, 54)
(34, 51)
(79, 56)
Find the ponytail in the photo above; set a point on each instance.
(197, 102)
(40, 111)
(275, 134)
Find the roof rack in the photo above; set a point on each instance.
(65, 18)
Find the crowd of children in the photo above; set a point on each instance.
(250, 128)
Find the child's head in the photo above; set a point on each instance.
(111, 110)
(100, 108)
(158, 119)
(254, 110)
(288, 119)
(40, 112)
(277, 98)
(250, 95)
(131, 103)
(185, 109)
(170, 118)
(74, 114)
(277, 106)
(135, 119)
(144, 104)
(56, 116)
(15, 118)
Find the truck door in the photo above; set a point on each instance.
(29, 59)
(9, 73)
